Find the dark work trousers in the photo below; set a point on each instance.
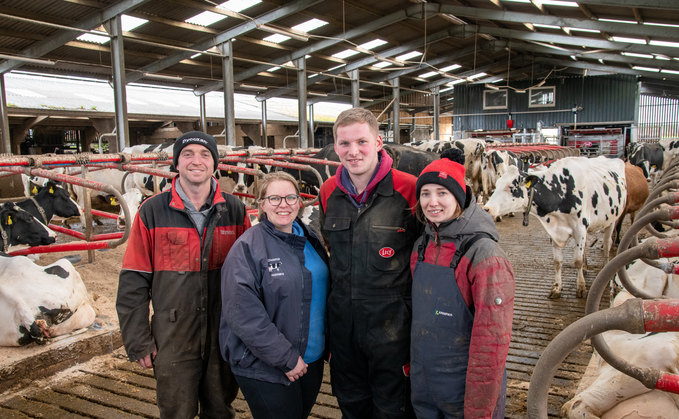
(369, 343)
(278, 401)
(441, 335)
(182, 386)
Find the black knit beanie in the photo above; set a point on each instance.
(195, 137)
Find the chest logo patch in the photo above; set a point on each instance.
(386, 252)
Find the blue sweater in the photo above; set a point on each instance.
(319, 286)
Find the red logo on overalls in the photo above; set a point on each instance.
(386, 252)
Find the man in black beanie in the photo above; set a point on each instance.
(174, 256)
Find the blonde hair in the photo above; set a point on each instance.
(275, 177)
(356, 116)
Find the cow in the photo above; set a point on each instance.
(51, 200)
(647, 156)
(574, 196)
(20, 227)
(637, 193)
(406, 159)
(616, 395)
(40, 302)
(133, 197)
(495, 164)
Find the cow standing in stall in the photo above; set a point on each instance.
(574, 196)
(637, 193)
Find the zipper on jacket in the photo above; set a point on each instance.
(301, 309)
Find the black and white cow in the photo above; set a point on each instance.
(647, 156)
(133, 197)
(20, 227)
(51, 200)
(39, 302)
(495, 164)
(406, 159)
(473, 150)
(572, 197)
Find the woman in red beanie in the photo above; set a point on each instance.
(463, 296)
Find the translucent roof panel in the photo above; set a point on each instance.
(208, 18)
(128, 23)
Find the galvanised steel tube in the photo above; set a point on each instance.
(627, 317)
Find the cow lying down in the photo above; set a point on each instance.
(38, 302)
(614, 395)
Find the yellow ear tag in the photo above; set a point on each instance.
(528, 184)
(113, 201)
(51, 190)
(229, 172)
(9, 220)
(34, 190)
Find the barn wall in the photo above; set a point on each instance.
(608, 98)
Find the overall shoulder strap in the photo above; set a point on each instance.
(466, 245)
(423, 246)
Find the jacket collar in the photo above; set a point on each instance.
(177, 202)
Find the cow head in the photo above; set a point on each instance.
(134, 197)
(62, 203)
(511, 193)
(21, 228)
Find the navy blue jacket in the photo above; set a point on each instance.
(266, 301)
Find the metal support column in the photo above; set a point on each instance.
(437, 112)
(4, 120)
(226, 49)
(113, 27)
(396, 94)
(355, 86)
(300, 64)
(265, 140)
(311, 125)
(634, 135)
(203, 116)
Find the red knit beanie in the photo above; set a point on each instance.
(448, 172)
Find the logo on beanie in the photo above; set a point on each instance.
(386, 252)
(443, 175)
(194, 140)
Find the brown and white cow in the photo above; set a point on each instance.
(637, 193)
(572, 197)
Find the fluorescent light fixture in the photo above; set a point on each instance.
(208, 18)
(583, 30)
(671, 25)
(400, 58)
(451, 98)
(639, 68)
(539, 25)
(634, 54)
(496, 81)
(300, 36)
(451, 67)
(381, 64)
(454, 19)
(518, 1)
(629, 40)
(476, 76)
(336, 67)
(665, 44)
(631, 22)
(559, 3)
(601, 61)
(429, 74)
(196, 55)
(162, 76)
(250, 86)
(446, 89)
(365, 48)
(272, 69)
(391, 61)
(662, 57)
(26, 59)
(574, 58)
(457, 81)
(305, 27)
(669, 71)
(491, 87)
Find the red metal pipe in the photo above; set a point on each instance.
(268, 162)
(66, 247)
(141, 169)
(67, 231)
(311, 160)
(245, 170)
(668, 248)
(105, 214)
(661, 316)
(668, 382)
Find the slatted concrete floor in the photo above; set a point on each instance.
(123, 390)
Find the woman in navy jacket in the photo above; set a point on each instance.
(274, 288)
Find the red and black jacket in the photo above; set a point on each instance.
(370, 246)
(166, 263)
